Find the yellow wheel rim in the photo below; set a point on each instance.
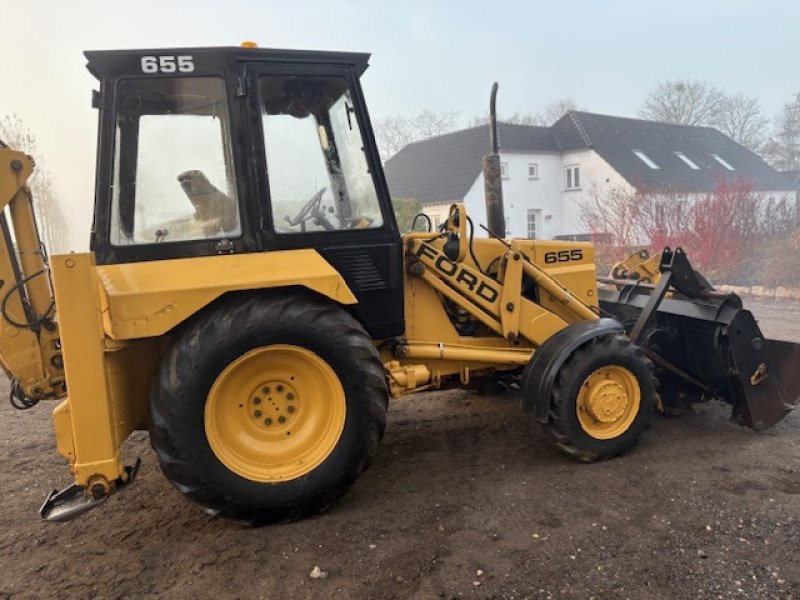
(275, 413)
(608, 402)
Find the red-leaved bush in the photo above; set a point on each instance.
(726, 232)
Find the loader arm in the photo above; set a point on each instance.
(30, 348)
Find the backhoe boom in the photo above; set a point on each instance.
(30, 349)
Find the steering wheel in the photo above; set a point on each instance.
(309, 209)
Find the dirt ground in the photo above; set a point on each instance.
(467, 498)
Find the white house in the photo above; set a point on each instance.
(550, 172)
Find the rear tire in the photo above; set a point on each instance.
(268, 408)
(603, 399)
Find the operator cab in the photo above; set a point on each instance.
(214, 151)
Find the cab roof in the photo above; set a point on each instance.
(110, 64)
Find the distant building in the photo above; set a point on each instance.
(550, 172)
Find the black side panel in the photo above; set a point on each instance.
(374, 274)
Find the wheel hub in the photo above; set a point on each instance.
(607, 401)
(274, 404)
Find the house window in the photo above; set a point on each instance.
(723, 162)
(646, 159)
(533, 171)
(687, 160)
(572, 175)
(504, 170)
(532, 224)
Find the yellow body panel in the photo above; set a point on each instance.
(433, 345)
(147, 299)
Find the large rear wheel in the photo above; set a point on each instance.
(268, 408)
(603, 399)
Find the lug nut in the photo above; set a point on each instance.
(290, 396)
(281, 419)
(290, 409)
(265, 389)
(279, 388)
(256, 400)
(268, 421)
(258, 413)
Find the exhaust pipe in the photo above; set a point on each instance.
(492, 181)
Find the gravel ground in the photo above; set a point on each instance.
(467, 498)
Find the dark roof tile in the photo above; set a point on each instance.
(443, 169)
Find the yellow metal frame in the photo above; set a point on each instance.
(31, 356)
(433, 349)
(640, 266)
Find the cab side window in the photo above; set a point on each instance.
(173, 169)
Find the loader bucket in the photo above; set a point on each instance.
(711, 347)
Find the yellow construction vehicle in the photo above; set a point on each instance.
(249, 300)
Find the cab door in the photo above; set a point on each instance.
(320, 183)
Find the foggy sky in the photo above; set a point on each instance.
(440, 55)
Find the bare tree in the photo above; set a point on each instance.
(394, 133)
(517, 118)
(555, 110)
(428, 124)
(50, 217)
(739, 117)
(683, 102)
(783, 148)
(544, 118)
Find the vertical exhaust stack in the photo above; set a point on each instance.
(493, 183)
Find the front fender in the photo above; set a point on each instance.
(539, 375)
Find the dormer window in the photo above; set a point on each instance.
(687, 160)
(723, 162)
(646, 159)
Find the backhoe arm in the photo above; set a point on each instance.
(30, 350)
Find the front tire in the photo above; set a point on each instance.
(268, 408)
(603, 399)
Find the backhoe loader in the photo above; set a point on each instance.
(249, 300)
